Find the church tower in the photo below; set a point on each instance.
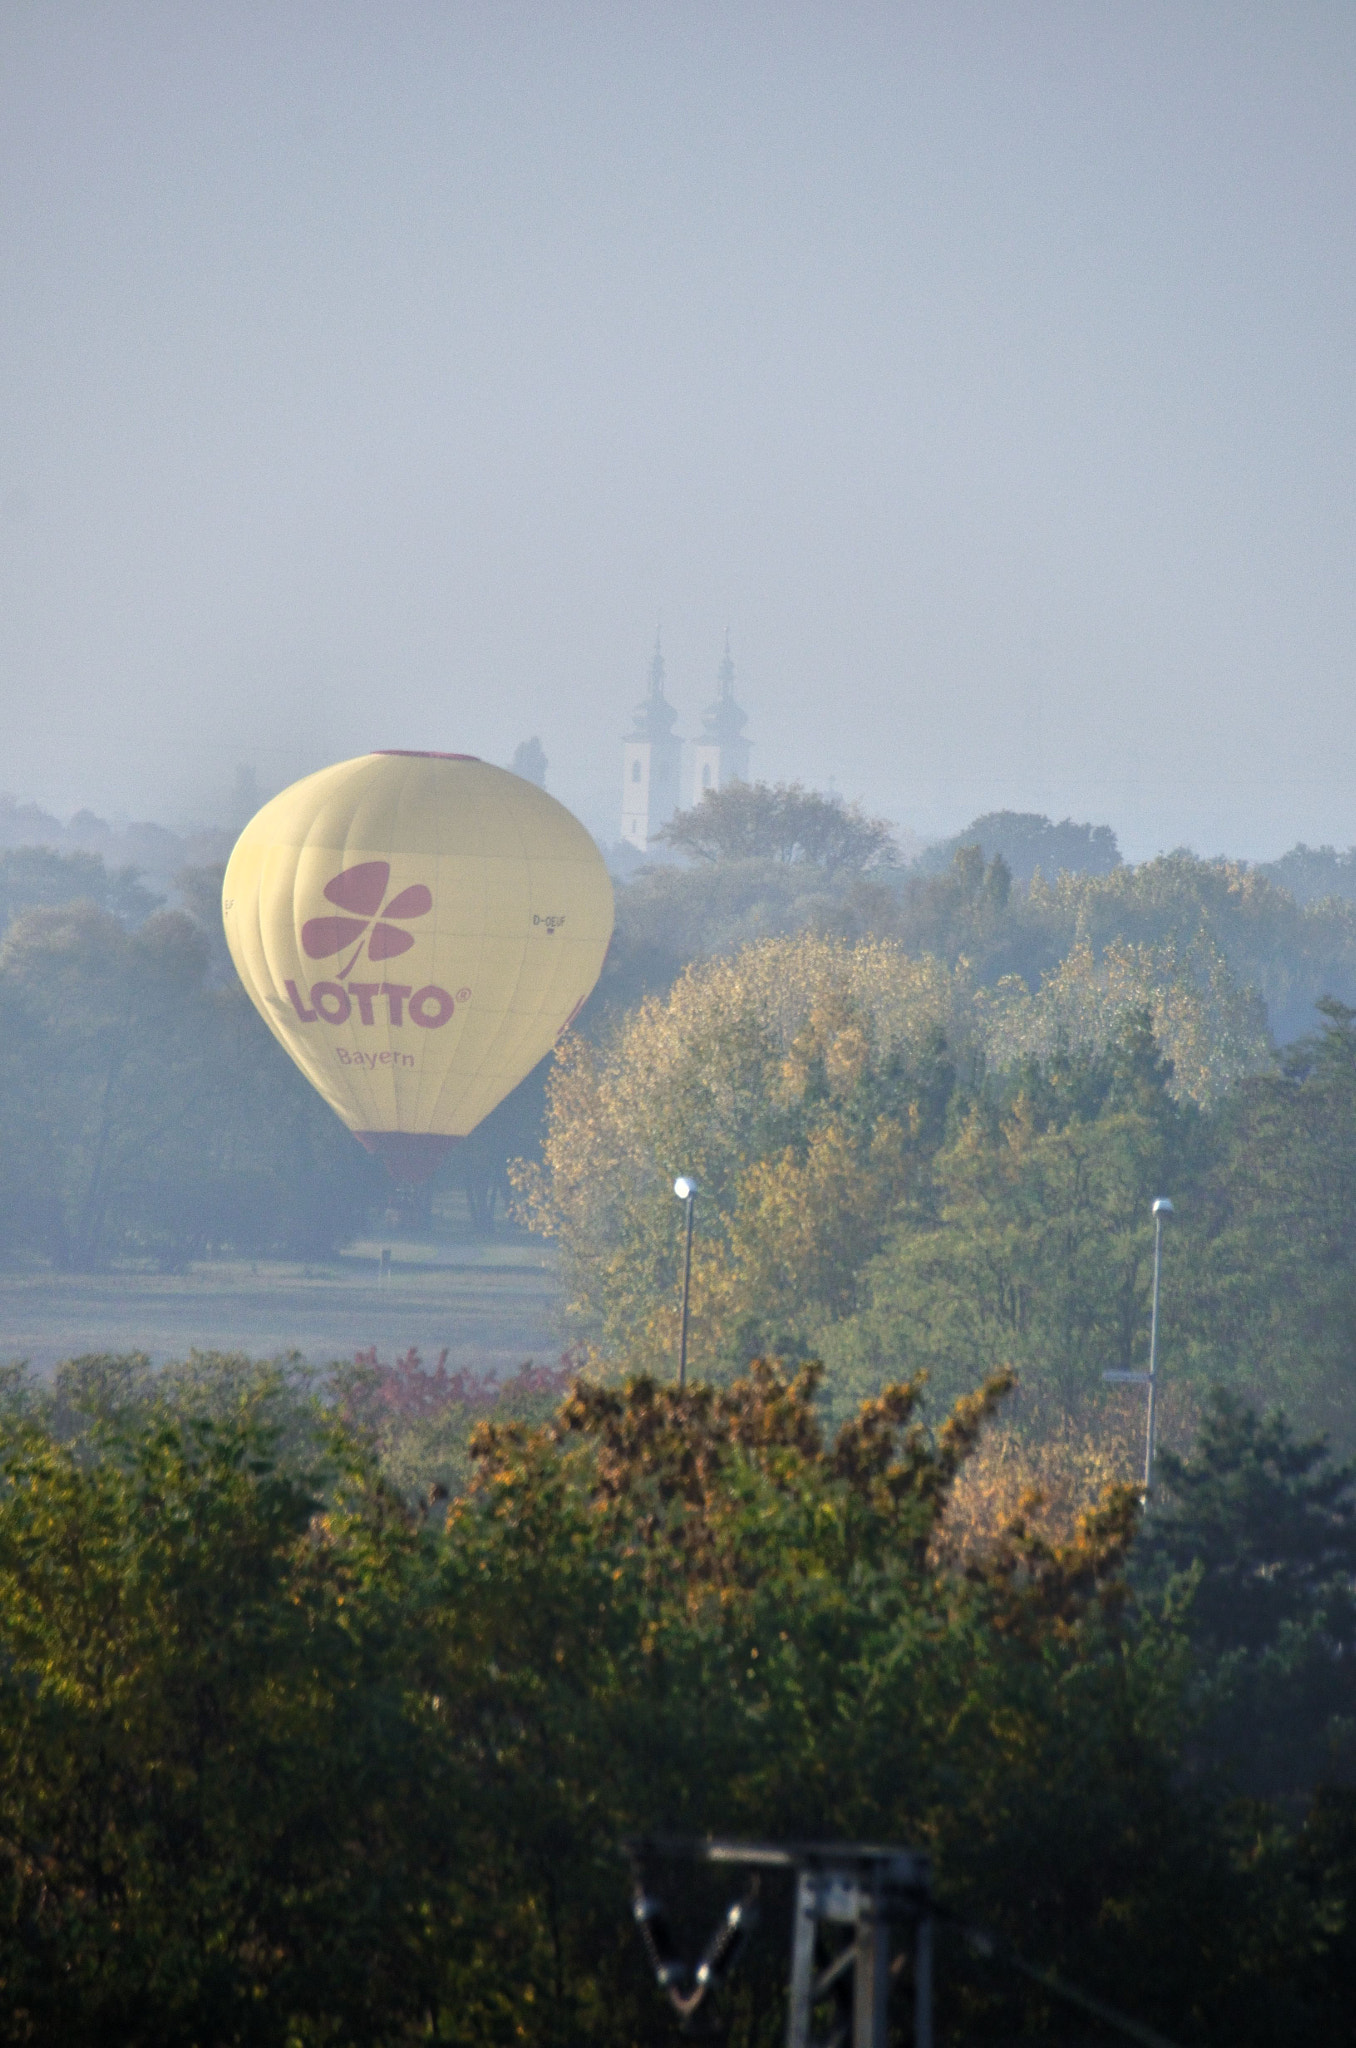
(651, 753)
(721, 754)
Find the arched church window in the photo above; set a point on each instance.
(635, 771)
(706, 775)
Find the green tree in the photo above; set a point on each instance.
(1275, 1300)
(214, 1774)
(1028, 1246)
(143, 1110)
(1213, 1031)
(119, 1078)
(1183, 916)
(781, 822)
(1025, 842)
(1262, 1525)
(38, 877)
(1311, 873)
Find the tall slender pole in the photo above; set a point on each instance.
(1162, 1208)
(922, 1982)
(687, 1283)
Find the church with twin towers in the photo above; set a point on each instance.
(652, 755)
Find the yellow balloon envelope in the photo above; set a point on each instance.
(417, 930)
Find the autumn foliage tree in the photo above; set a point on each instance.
(800, 1083)
(891, 1163)
(764, 1635)
(284, 1761)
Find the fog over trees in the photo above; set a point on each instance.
(163, 1118)
(307, 1662)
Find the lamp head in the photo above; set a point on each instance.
(684, 1187)
(1163, 1207)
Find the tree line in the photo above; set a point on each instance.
(290, 1755)
(876, 1187)
(145, 1113)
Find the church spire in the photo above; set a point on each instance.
(651, 758)
(721, 751)
(723, 721)
(725, 673)
(655, 716)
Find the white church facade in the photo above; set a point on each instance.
(652, 755)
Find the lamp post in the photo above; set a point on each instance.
(1162, 1207)
(686, 1190)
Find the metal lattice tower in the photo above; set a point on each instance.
(862, 1913)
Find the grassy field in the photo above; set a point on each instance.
(492, 1302)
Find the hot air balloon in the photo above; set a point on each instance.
(416, 930)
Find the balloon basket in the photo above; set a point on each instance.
(410, 1157)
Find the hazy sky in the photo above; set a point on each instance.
(378, 375)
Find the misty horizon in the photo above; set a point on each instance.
(157, 850)
(381, 380)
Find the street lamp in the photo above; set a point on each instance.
(1162, 1207)
(686, 1190)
